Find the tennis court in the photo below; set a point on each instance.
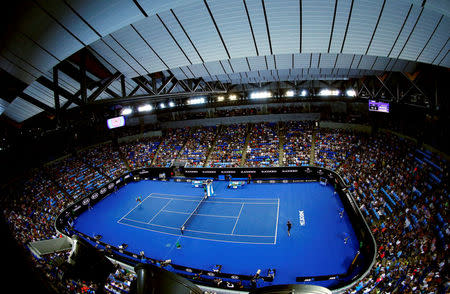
(241, 229)
(238, 220)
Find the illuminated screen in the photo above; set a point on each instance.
(378, 106)
(116, 122)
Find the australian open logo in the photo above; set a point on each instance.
(86, 201)
(142, 172)
(118, 181)
(270, 171)
(289, 170)
(111, 185)
(191, 171)
(94, 196)
(211, 274)
(235, 277)
(228, 172)
(127, 176)
(308, 170)
(248, 172)
(188, 270)
(103, 191)
(209, 171)
(320, 172)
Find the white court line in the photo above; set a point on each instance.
(136, 206)
(177, 228)
(212, 215)
(216, 196)
(276, 226)
(237, 242)
(212, 201)
(159, 211)
(239, 215)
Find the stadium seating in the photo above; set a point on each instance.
(402, 191)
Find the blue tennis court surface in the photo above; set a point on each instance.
(238, 220)
(242, 229)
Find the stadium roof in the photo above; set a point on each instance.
(232, 41)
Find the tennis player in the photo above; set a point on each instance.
(289, 226)
(139, 199)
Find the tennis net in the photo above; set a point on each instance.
(183, 227)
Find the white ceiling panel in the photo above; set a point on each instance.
(69, 19)
(3, 105)
(380, 63)
(200, 28)
(256, 13)
(136, 46)
(284, 61)
(41, 28)
(153, 7)
(302, 60)
(107, 16)
(234, 27)
(362, 24)
(444, 52)
(283, 17)
(102, 49)
(156, 35)
(16, 71)
(20, 110)
(391, 21)
(356, 61)
(257, 63)
(437, 42)
(226, 65)
(187, 72)
(27, 50)
(421, 34)
(315, 60)
(407, 28)
(270, 62)
(366, 62)
(445, 61)
(317, 18)
(327, 60)
(21, 63)
(198, 70)
(340, 23)
(214, 68)
(119, 48)
(239, 64)
(168, 20)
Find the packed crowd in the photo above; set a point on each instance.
(75, 176)
(196, 149)
(333, 146)
(33, 211)
(171, 146)
(140, 153)
(104, 158)
(263, 147)
(236, 112)
(297, 145)
(227, 151)
(402, 192)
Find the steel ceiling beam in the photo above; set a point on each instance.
(104, 86)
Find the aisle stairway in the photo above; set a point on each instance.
(281, 140)
(219, 131)
(312, 156)
(247, 141)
